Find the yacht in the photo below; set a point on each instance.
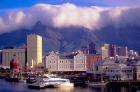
(51, 81)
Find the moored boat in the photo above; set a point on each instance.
(51, 81)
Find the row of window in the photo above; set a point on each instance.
(66, 66)
(65, 61)
(71, 61)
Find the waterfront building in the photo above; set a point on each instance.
(113, 71)
(137, 66)
(80, 61)
(51, 61)
(34, 50)
(92, 48)
(91, 60)
(7, 56)
(66, 62)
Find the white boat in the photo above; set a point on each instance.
(52, 81)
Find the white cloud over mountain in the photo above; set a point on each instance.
(67, 15)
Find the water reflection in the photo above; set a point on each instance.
(22, 87)
(115, 89)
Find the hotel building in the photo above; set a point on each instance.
(34, 50)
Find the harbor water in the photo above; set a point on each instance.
(22, 87)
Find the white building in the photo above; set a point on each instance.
(7, 56)
(137, 66)
(51, 61)
(34, 50)
(66, 62)
(80, 61)
(115, 71)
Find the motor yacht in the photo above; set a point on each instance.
(48, 80)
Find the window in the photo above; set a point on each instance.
(96, 68)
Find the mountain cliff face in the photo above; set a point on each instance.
(73, 38)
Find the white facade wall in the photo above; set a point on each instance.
(118, 71)
(80, 62)
(54, 62)
(66, 65)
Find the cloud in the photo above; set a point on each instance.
(67, 15)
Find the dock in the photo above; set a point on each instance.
(115, 84)
(123, 83)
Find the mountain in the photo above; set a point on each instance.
(73, 38)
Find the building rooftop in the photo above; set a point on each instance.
(67, 56)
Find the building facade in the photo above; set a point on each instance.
(122, 51)
(80, 61)
(114, 71)
(34, 50)
(91, 60)
(66, 62)
(109, 50)
(105, 51)
(8, 54)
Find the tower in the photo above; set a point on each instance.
(105, 51)
(92, 48)
(34, 50)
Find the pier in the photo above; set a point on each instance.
(123, 83)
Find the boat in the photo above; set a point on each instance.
(97, 84)
(31, 80)
(51, 81)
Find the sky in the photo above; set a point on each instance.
(8, 4)
(91, 14)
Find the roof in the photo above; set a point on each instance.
(67, 56)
